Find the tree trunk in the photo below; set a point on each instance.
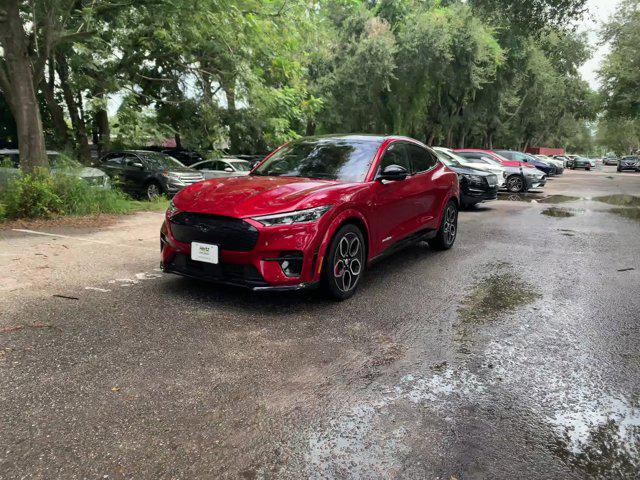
(234, 134)
(55, 110)
(101, 127)
(77, 121)
(178, 140)
(16, 82)
(311, 128)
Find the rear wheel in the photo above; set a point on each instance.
(344, 263)
(153, 191)
(515, 184)
(448, 230)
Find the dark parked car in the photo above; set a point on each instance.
(530, 159)
(316, 211)
(610, 161)
(629, 163)
(185, 156)
(149, 174)
(475, 185)
(580, 162)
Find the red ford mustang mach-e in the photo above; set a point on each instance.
(317, 210)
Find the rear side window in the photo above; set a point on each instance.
(471, 156)
(114, 158)
(420, 158)
(396, 154)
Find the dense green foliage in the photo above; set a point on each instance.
(246, 75)
(620, 74)
(44, 195)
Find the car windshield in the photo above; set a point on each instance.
(447, 159)
(241, 166)
(162, 160)
(343, 159)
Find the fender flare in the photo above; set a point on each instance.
(349, 215)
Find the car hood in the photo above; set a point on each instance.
(91, 172)
(471, 171)
(84, 172)
(252, 195)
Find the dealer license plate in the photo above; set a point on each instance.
(204, 252)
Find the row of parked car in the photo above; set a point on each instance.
(153, 171)
(481, 172)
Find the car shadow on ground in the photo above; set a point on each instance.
(477, 209)
(206, 294)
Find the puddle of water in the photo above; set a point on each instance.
(500, 292)
(559, 212)
(359, 443)
(520, 197)
(600, 437)
(538, 198)
(620, 200)
(594, 431)
(630, 213)
(559, 199)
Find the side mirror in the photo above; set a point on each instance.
(228, 169)
(393, 173)
(137, 165)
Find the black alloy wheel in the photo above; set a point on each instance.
(153, 191)
(515, 184)
(345, 262)
(448, 231)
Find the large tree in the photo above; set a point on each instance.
(18, 81)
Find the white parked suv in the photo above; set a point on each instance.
(485, 163)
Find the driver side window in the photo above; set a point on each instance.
(395, 154)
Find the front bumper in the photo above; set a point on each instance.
(470, 196)
(629, 167)
(257, 265)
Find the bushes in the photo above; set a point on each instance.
(45, 195)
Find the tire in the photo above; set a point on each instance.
(152, 190)
(345, 262)
(619, 170)
(446, 236)
(515, 184)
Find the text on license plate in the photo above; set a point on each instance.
(204, 252)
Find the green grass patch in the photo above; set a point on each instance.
(48, 195)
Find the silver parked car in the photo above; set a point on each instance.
(10, 168)
(223, 167)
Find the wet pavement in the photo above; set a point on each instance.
(514, 355)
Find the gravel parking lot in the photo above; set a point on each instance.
(514, 355)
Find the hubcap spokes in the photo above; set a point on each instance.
(152, 191)
(348, 262)
(450, 225)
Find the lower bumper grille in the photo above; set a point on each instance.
(246, 275)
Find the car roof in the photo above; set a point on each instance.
(363, 137)
(15, 151)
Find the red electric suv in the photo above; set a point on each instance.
(317, 210)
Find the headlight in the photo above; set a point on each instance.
(474, 179)
(300, 216)
(172, 210)
(173, 176)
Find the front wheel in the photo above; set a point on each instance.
(153, 191)
(448, 230)
(344, 263)
(515, 184)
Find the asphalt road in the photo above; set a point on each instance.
(514, 355)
